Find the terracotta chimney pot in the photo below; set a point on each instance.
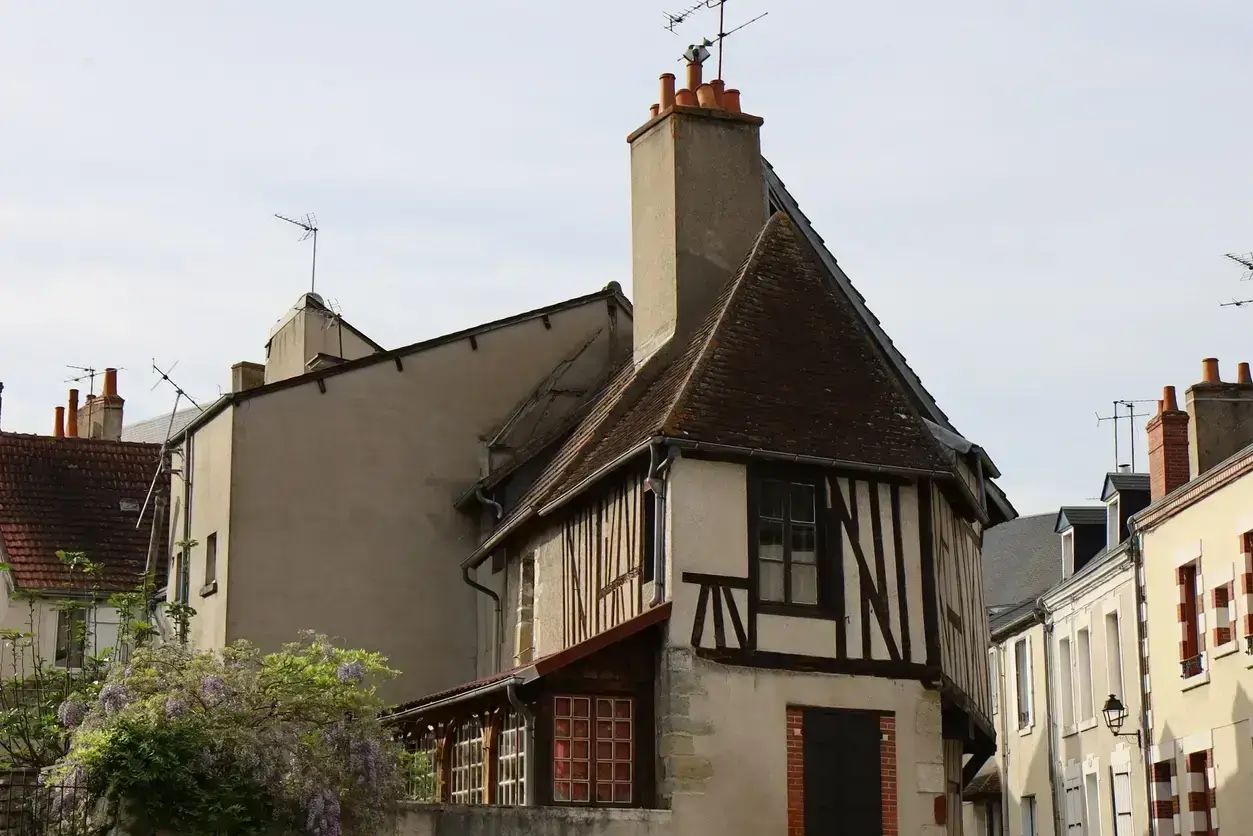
(667, 92)
(110, 383)
(58, 427)
(706, 97)
(693, 75)
(731, 101)
(1242, 374)
(719, 87)
(1171, 401)
(1209, 370)
(685, 98)
(653, 111)
(71, 415)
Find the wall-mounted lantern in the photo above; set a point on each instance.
(1115, 715)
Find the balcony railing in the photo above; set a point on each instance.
(1191, 667)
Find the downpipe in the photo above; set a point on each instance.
(658, 462)
(498, 627)
(1042, 613)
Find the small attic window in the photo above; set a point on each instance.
(129, 505)
(1068, 552)
(1113, 530)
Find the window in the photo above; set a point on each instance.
(1065, 684)
(1085, 675)
(649, 536)
(1113, 531)
(787, 542)
(1068, 553)
(593, 757)
(467, 784)
(1113, 655)
(1093, 797)
(71, 637)
(1028, 815)
(211, 559)
(1190, 647)
(1223, 596)
(1074, 809)
(1022, 677)
(992, 671)
(511, 763)
(1121, 784)
(420, 783)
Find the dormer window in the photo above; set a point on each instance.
(1113, 526)
(1068, 552)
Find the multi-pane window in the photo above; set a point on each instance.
(593, 750)
(466, 785)
(420, 775)
(1085, 674)
(71, 637)
(787, 542)
(511, 761)
(1022, 681)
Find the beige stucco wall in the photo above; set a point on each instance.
(1213, 710)
(449, 820)
(1087, 747)
(304, 333)
(1023, 752)
(342, 516)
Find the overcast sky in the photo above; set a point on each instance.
(1034, 197)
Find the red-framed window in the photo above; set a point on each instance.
(593, 750)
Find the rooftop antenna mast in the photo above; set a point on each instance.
(179, 394)
(1129, 415)
(164, 377)
(1245, 261)
(309, 224)
(88, 373)
(694, 51)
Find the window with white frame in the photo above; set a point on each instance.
(1113, 656)
(1065, 683)
(511, 762)
(1022, 678)
(1068, 552)
(992, 670)
(467, 783)
(1092, 796)
(1028, 815)
(1074, 809)
(1084, 662)
(1121, 786)
(1113, 531)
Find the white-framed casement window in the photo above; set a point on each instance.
(71, 638)
(1113, 531)
(1113, 655)
(1120, 785)
(1022, 682)
(511, 761)
(1068, 552)
(1083, 638)
(1028, 815)
(1065, 683)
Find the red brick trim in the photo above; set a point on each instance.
(796, 773)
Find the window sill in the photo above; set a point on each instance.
(1069, 731)
(208, 589)
(1226, 649)
(1084, 725)
(795, 610)
(1197, 681)
(1026, 730)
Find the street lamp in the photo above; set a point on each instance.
(1115, 714)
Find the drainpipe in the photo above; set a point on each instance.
(658, 461)
(488, 501)
(1001, 681)
(511, 691)
(1137, 567)
(1042, 613)
(499, 621)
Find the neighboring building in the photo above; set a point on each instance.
(66, 493)
(746, 589)
(1196, 546)
(335, 486)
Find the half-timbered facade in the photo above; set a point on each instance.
(749, 578)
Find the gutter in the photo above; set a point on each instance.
(1042, 613)
(509, 682)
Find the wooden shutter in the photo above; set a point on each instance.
(843, 789)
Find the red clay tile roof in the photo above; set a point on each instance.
(75, 494)
(783, 363)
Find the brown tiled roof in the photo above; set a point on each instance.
(75, 494)
(782, 364)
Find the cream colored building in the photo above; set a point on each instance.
(746, 589)
(1196, 550)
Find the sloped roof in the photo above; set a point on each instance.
(76, 495)
(156, 430)
(780, 364)
(1069, 515)
(1124, 483)
(987, 781)
(1022, 559)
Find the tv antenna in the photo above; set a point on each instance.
(309, 223)
(164, 377)
(89, 374)
(1129, 415)
(1245, 261)
(694, 52)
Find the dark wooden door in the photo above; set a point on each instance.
(843, 790)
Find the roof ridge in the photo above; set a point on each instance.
(736, 285)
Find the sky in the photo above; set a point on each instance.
(1035, 198)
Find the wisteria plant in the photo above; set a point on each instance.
(234, 742)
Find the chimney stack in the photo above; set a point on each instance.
(698, 203)
(246, 376)
(1168, 446)
(58, 426)
(101, 416)
(1221, 417)
(71, 415)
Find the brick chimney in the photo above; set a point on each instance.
(697, 204)
(1221, 417)
(1168, 446)
(101, 417)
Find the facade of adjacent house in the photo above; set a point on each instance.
(73, 493)
(745, 590)
(1196, 545)
(335, 486)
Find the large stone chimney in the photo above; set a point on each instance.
(101, 416)
(1168, 446)
(698, 202)
(1221, 416)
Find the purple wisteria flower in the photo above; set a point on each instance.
(350, 673)
(176, 707)
(214, 690)
(322, 808)
(114, 697)
(365, 761)
(71, 712)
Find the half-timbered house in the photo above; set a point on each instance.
(746, 586)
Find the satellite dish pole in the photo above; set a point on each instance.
(309, 224)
